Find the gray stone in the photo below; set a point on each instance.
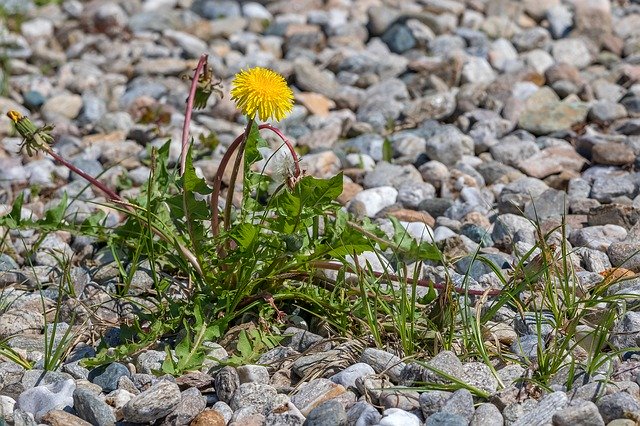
(512, 151)
(593, 260)
(625, 254)
(224, 409)
(258, 395)
(560, 20)
(551, 203)
(301, 340)
(253, 373)
(487, 414)
(7, 405)
(407, 144)
(404, 399)
(371, 201)
(191, 404)
(476, 267)
(399, 38)
(214, 9)
(605, 111)
(39, 400)
(446, 419)
(411, 193)
(383, 102)
(150, 361)
(227, 381)
(579, 412)
(532, 38)
(329, 413)
(92, 408)
(363, 414)
(383, 362)
(448, 145)
(313, 79)
(617, 406)
(543, 412)
(107, 376)
(62, 106)
(534, 323)
(348, 376)
(436, 106)
(11, 375)
(544, 113)
(446, 362)
(386, 174)
(526, 347)
(311, 394)
(18, 321)
(192, 46)
(397, 417)
(597, 237)
(22, 418)
(152, 404)
(478, 374)
(370, 144)
(573, 51)
(477, 70)
(506, 226)
(626, 331)
(432, 401)
(460, 403)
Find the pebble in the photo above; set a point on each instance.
(92, 408)
(39, 400)
(327, 414)
(617, 406)
(152, 404)
(463, 121)
(397, 417)
(107, 377)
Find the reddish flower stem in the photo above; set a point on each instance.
(111, 194)
(202, 63)
(286, 141)
(217, 184)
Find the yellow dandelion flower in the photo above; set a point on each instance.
(262, 91)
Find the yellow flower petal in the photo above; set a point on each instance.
(262, 91)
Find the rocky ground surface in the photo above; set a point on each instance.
(486, 105)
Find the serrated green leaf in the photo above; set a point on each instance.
(253, 142)
(244, 345)
(14, 219)
(245, 234)
(55, 215)
(190, 180)
(168, 365)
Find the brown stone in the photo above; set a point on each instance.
(612, 154)
(563, 71)
(195, 379)
(349, 190)
(477, 218)
(315, 393)
(315, 103)
(209, 418)
(614, 214)
(62, 418)
(552, 160)
(407, 215)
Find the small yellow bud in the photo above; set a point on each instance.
(15, 116)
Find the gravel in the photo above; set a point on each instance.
(498, 116)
